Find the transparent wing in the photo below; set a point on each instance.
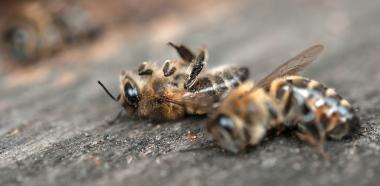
(292, 66)
(206, 104)
(202, 103)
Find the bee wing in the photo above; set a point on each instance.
(292, 66)
(206, 104)
(202, 103)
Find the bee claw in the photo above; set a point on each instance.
(322, 151)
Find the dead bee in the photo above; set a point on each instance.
(76, 24)
(167, 93)
(35, 31)
(281, 101)
(32, 33)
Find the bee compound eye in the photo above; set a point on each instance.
(131, 93)
(224, 134)
(225, 122)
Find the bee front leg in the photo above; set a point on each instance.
(196, 68)
(185, 53)
(145, 69)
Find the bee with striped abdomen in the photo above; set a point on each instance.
(168, 93)
(280, 101)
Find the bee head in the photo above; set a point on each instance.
(228, 132)
(21, 42)
(129, 96)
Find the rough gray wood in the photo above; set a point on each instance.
(54, 131)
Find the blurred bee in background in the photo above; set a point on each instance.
(76, 24)
(32, 33)
(167, 92)
(35, 31)
(283, 101)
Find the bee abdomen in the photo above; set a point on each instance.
(309, 101)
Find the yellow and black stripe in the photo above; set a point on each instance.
(314, 108)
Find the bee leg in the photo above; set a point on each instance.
(280, 129)
(116, 119)
(288, 100)
(317, 144)
(185, 53)
(197, 67)
(145, 69)
(168, 69)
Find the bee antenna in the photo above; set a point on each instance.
(108, 92)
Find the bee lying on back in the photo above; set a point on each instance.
(168, 93)
(281, 101)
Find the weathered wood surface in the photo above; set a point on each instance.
(53, 128)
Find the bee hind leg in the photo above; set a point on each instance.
(196, 69)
